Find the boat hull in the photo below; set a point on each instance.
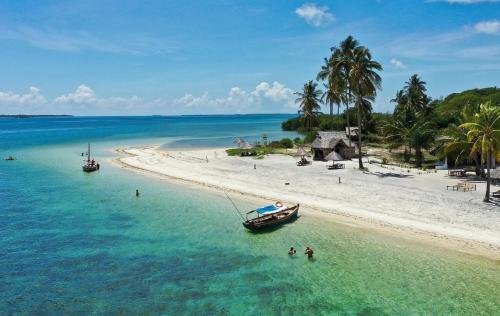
(273, 220)
(89, 168)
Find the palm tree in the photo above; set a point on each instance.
(484, 134)
(415, 97)
(456, 142)
(344, 62)
(397, 133)
(420, 137)
(309, 101)
(334, 89)
(364, 82)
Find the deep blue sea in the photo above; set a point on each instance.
(79, 244)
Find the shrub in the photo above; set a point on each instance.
(310, 137)
(292, 124)
(298, 141)
(286, 142)
(275, 144)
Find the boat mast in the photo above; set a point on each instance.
(88, 155)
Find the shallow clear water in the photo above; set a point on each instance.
(74, 243)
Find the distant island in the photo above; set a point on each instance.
(31, 116)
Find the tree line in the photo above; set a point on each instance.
(469, 129)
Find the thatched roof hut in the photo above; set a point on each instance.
(329, 141)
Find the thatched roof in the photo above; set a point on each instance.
(330, 140)
(334, 156)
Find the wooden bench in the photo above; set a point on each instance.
(462, 187)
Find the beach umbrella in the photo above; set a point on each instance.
(333, 156)
(301, 152)
(238, 141)
(246, 145)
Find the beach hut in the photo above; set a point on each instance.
(337, 141)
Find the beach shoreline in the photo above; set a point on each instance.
(207, 168)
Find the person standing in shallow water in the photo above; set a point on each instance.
(309, 252)
(137, 192)
(292, 251)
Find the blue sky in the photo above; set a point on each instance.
(198, 57)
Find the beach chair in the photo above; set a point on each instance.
(336, 166)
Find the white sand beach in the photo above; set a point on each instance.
(416, 204)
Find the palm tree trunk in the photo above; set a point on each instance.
(488, 179)
(331, 114)
(419, 157)
(360, 156)
(478, 164)
(347, 116)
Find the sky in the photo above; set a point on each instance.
(108, 57)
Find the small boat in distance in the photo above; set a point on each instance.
(271, 216)
(90, 165)
(9, 158)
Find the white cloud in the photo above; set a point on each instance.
(33, 97)
(315, 15)
(266, 97)
(488, 27)
(82, 94)
(239, 100)
(397, 64)
(277, 92)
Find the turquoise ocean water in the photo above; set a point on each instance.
(75, 243)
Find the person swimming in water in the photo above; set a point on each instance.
(292, 251)
(309, 252)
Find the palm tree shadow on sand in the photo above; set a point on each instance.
(389, 174)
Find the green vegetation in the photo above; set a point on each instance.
(411, 126)
(273, 147)
(351, 78)
(309, 103)
(483, 137)
(455, 103)
(463, 127)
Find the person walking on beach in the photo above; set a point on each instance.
(309, 252)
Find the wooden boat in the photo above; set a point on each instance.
(271, 219)
(90, 165)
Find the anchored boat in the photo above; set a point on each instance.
(271, 216)
(90, 165)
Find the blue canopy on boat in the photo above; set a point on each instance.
(267, 209)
